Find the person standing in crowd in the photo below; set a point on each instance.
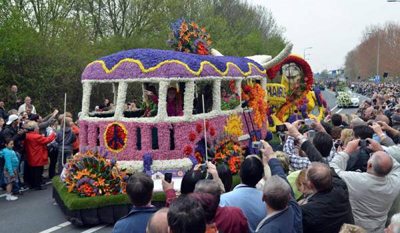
(228, 218)
(372, 192)
(36, 154)
(27, 103)
(158, 222)
(68, 140)
(52, 148)
(251, 172)
(394, 226)
(13, 101)
(2, 122)
(140, 192)
(11, 165)
(13, 131)
(284, 214)
(186, 215)
(3, 113)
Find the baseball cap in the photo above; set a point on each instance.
(11, 119)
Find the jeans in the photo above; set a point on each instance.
(67, 155)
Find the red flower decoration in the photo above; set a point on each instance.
(201, 49)
(212, 131)
(199, 128)
(188, 150)
(192, 136)
(207, 125)
(247, 88)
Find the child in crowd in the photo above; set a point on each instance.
(11, 163)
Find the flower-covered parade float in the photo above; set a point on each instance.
(293, 97)
(186, 96)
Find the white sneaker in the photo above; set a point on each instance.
(10, 197)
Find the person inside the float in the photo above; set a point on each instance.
(205, 90)
(150, 101)
(174, 102)
(105, 106)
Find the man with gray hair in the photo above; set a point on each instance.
(371, 193)
(394, 226)
(284, 214)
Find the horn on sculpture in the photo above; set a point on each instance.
(282, 55)
(215, 52)
(260, 59)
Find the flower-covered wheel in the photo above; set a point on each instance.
(115, 137)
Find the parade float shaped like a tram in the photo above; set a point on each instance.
(166, 133)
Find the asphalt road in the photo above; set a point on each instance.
(331, 100)
(36, 211)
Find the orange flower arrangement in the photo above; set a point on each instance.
(228, 151)
(91, 174)
(255, 95)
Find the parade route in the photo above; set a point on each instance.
(36, 211)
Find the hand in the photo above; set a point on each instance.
(352, 146)
(293, 129)
(55, 112)
(267, 152)
(212, 169)
(384, 126)
(377, 128)
(318, 126)
(327, 118)
(374, 145)
(167, 186)
(21, 131)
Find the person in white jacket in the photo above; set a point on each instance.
(371, 193)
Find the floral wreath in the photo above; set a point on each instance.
(305, 85)
(189, 38)
(115, 137)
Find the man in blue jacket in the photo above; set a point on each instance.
(284, 214)
(140, 191)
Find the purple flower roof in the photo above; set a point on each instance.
(148, 63)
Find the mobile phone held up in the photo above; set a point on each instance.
(281, 128)
(168, 177)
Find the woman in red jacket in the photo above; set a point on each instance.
(36, 154)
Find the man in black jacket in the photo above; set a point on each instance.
(328, 208)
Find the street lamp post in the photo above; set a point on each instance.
(304, 52)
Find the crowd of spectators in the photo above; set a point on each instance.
(27, 141)
(338, 175)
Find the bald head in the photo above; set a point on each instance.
(320, 176)
(383, 118)
(380, 163)
(158, 223)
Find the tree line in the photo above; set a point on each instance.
(46, 44)
(363, 60)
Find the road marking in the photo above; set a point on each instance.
(56, 228)
(339, 110)
(94, 229)
(334, 108)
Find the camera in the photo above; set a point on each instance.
(281, 128)
(256, 145)
(308, 121)
(363, 143)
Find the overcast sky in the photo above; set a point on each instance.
(332, 28)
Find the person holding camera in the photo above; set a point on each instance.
(309, 149)
(284, 214)
(372, 192)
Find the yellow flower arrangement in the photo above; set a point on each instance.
(234, 126)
